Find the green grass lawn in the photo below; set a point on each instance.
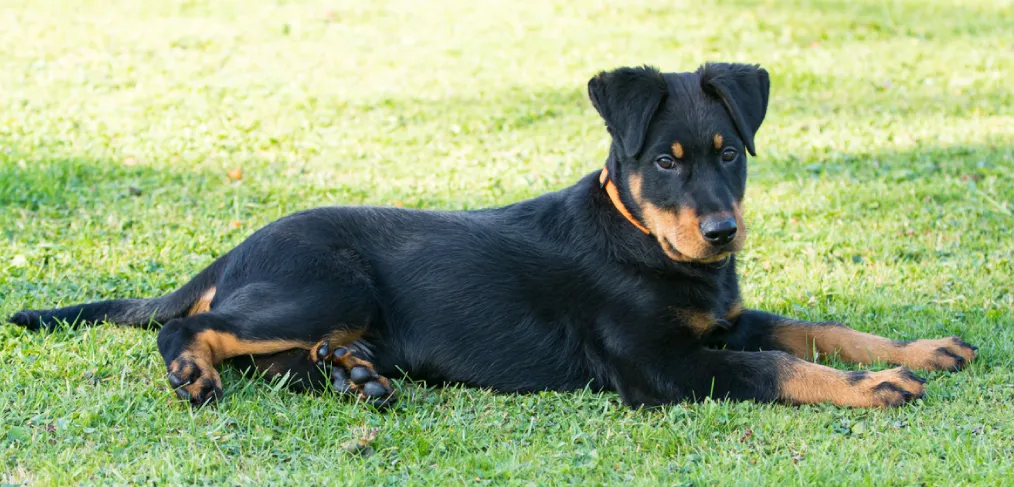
(882, 196)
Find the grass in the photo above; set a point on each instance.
(881, 197)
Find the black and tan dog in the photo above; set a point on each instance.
(625, 281)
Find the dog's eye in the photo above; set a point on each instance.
(665, 162)
(729, 154)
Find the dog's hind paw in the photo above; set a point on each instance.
(353, 376)
(194, 380)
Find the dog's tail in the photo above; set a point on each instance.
(145, 313)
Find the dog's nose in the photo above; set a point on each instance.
(719, 230)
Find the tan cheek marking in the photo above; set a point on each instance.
(688, 234)
(677, 150)
(636, 185)
(678, 234)
(660, 223)
(740, 240)
(650, 214)
(203, 304)
(719, 141)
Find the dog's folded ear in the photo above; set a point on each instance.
(744, 89)
(627, 98)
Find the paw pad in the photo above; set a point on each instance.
(354, 377)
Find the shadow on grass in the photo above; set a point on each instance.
(64, 183)
(54, 188)
(520, 111)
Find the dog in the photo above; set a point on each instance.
(625, 281)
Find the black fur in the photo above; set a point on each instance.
(744, 91)
(627, 99)
(559, 292)
(130, 312)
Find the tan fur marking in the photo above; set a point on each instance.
(679, 234)
(659, 223)
(210, 347)
(344, 338)
(700, 322)
(335, 339)
(925, 354)
(740, 240)
(216, 346)
(203, 304)
(809, 383)
(718, 140)
(689, 240)
(803, 339)
(614, 197)
(188, 366)
(677, 150)
(189, 361)
(636, 186)
(735, 310)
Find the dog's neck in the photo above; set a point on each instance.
(614, 196)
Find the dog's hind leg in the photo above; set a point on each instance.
(265, 318)
(295, 367)
(193, 346)
(343, 366)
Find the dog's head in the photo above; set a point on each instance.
(678, 156)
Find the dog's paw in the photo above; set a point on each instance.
(888, 388)
(354, 377)
(195, 380)
(937, 354)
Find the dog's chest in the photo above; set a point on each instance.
(695, 310)
(696, 322)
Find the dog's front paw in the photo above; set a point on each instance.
(887, 388)
(937, 354)
(808, 383)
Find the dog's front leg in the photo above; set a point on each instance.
(757, 330)
(777, 376)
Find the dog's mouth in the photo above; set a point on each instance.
(683, 241)
(719, 254)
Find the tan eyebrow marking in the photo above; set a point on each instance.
(719, 141)
(677, 150)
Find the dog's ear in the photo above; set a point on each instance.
(627, 98)
(744, 89)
